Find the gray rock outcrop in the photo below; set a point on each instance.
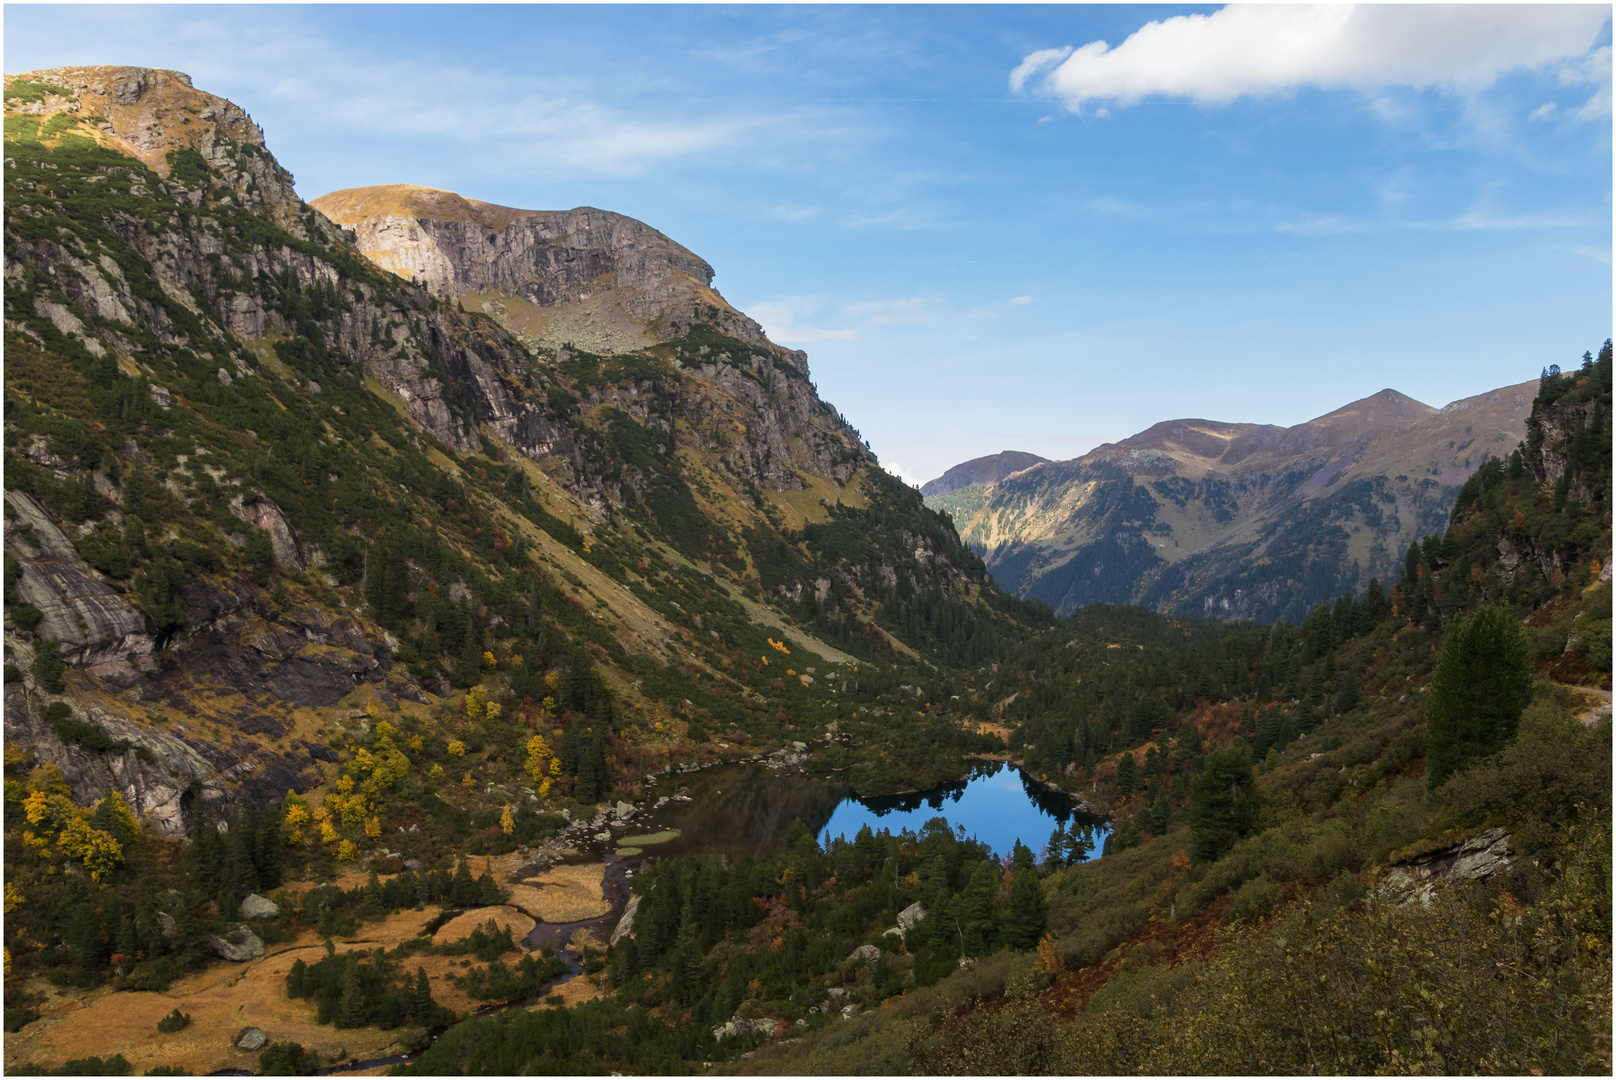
(259, 907)
(252, 1039)
(239, 946)
(1475, 859)
(94, 622)
(740, 1025)
(625, 925)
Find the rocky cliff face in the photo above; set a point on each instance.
(584, 277)
(1206, 518)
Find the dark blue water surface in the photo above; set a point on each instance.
(997, 804)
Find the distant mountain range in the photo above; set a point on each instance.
(982, 470)
(1206, 518)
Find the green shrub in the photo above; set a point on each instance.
(26, 617)
(1255, 899)
(288, 1059)
(174, 1021)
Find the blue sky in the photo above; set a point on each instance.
(995, 227)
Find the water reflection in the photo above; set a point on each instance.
(746, 808)
(997, 804)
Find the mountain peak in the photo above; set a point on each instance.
(352, 206)
(154, 116)
(601, 281)
(983, 470)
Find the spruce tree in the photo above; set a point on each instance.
(1482, 684)
(980, 926)
(424, 1006)
(1223, 803)
(1028, 915)
(1127, 775)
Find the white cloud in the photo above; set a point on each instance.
(779, 320)
(1593, 68)
(906, 310)
(794, 213)
(1543, 111)
(1036, 64)
(1259, 50)
(1599, 255)
(1020, 300)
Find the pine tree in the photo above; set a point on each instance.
(1028, 914)
(424, 1005)
(1127, 776)
(978, 909)
(351, 1005)
(1223, 803)
(1482, 684)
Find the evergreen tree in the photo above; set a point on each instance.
(1482, 684)
(351, 1005)
(1127, 776)
(1028, 913)
(424, 1005)
(979, 904)
(1223, 803)
(48, 667)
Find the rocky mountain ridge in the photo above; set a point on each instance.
(1208, 518)
(257, 485)
(584, 277)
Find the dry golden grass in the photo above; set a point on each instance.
(221, 1001)
(520, 923)
(229, 997)
(564, 894)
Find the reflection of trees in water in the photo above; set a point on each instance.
(746, 809)
(1055, 804)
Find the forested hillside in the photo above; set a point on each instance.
(327, 594)
(294, 544)
(1290, 887)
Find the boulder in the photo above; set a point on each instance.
(910, 915)
(864, 954)
(624, 810)
(166, 924)
(252, 1039)
(740, 1025)
(239, 946)
(258, 907)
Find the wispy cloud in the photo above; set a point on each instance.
(1598, 255)
(779, 320)
(1036, 64)
(1019, 300)
(905, 310)
(1261, 50)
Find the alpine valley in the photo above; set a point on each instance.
(385, 573)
